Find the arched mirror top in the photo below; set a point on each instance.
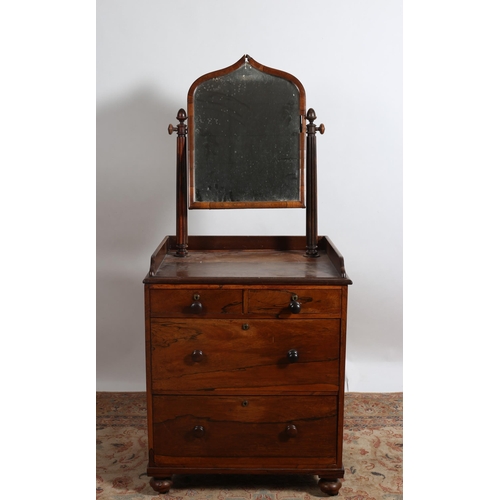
(246, 137)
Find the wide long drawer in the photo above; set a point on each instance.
(253, 426)
(279, 355)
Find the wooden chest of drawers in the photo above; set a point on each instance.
(245, 355)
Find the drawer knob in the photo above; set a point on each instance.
(196, 306)
(197, 355)
(293, 355)
(291, 430)
(294, 304)
(199, 431)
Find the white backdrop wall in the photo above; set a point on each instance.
(348, 56)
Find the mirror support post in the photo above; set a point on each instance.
(181, 206)
(311, 186)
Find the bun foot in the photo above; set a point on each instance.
(330, 486)
(161, 484)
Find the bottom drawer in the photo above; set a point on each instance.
(254, 426)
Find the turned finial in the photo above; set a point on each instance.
(181, 116)
(311, 116)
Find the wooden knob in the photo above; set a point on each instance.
(197, 355)
(196, 307)
(171, 129)
(293, 355)
(294, 305)
(199, 431)
(291, 430)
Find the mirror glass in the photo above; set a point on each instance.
(246, 142)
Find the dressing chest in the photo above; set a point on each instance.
(246, 335)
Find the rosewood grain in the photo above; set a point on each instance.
(239, 357)
(260, 260)
(178, 302)
(158, 256)
(325, 303)
(311, 184)
(182, 186)
(233, 429)
(201, 366)
(246, 338)
(165, 465)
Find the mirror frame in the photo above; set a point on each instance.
(191, 139)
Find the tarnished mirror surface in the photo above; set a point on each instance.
(245, 138)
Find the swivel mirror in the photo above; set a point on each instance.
(246, 148)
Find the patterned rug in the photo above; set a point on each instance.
(373, 456)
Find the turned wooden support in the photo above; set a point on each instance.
(330, 486)
(181, 228)
(161, 484)
(311, 186)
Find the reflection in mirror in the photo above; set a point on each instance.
(246, 143)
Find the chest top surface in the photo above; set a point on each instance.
(248, 260)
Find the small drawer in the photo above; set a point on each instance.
(245, 426)
(228, 355)
(296, 303)
(195, 303)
